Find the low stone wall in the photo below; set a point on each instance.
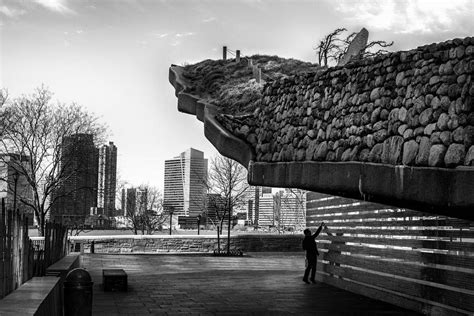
(186, 244)
(411, 108)
(39, 296)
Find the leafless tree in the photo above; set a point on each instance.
(146, 213)
(333, 47)
(154, 216)
(36, 129)
(290, 209)
(227, 179)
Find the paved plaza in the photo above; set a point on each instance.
(260, 283)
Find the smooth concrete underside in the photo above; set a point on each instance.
(433, 190)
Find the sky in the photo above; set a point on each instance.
(113, 57)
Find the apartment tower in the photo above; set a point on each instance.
(107, 179)
(73, 199)
(185, 183)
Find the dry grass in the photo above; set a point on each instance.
(230, 85)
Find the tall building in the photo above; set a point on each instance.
(107, 179)
(185, 183)
(13, 183)
(290, 208)
(257, 200)
(265, 212)
(134, 201)
(73, 199)
(214, 205)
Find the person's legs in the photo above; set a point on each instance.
(313, 272)
(306, 273)
(312, 267)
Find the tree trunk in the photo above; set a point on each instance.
(41, 224)
(218, 240)
(228, 231)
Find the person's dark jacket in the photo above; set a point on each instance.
(309, 244)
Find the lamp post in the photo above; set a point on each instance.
(171, 217)
(199, 222)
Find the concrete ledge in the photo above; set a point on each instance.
(63, 266)
(39, 296)
(226, 143)
(436, 190)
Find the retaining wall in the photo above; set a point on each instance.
(413, 108)
(183, 244)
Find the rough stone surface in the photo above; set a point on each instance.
(425, 97)
(469, 160)
(356, 47)
(436, 158)
(410, 150)
(455, 155)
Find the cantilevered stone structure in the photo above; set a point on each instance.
(397, 129)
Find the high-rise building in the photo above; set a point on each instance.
(134, 201)
(265, 213)
(290, 208)
(255, 199)
(107, 179)
(185, 183)
(13, 183)
(73, 199)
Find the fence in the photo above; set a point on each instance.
(256, 71)
(401, 256)
(22, 258)
(15, 250)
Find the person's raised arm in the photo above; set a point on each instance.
(327, 230)
(318, 231)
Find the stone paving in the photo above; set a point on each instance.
(257, 284)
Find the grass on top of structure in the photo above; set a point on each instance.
(230, 85)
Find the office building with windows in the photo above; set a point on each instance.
(107, 180)
(185, 183)
(73, 199)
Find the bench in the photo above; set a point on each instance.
(114, 280)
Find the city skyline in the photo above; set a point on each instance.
(113, 56)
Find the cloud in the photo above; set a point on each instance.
(58, 6)
(79, 31)
(161, 35)
(208, 20)
(11, 12)
(408, 16)
(184, 34)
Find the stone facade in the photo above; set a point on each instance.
(410, 108)
(188, 244)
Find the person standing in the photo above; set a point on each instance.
(309, 244)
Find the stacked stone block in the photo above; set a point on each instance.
(413, 108)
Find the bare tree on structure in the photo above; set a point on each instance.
(227, 179)
(333, 47)
(36, 129)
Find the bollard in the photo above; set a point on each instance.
(92, 246)
(78, 293)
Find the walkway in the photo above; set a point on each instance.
(261, 283)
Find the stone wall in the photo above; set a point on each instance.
(183, 244)
(413, 108)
